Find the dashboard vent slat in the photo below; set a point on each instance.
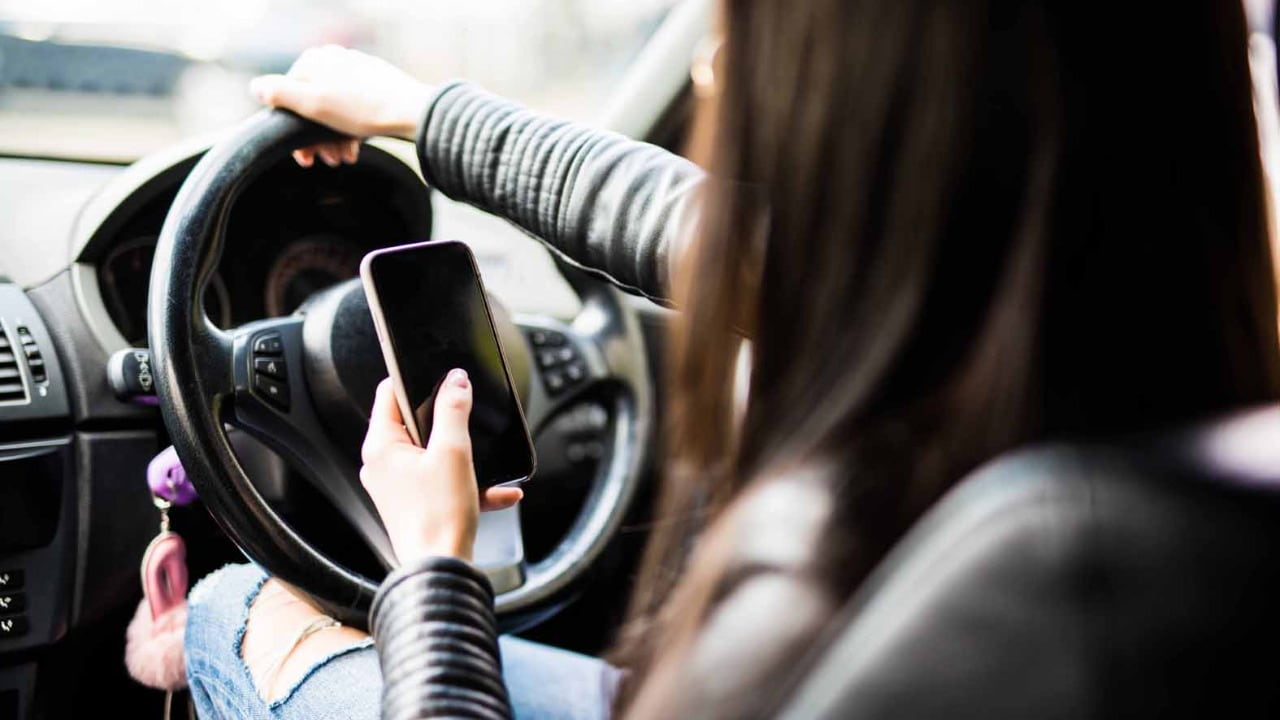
(12, 388)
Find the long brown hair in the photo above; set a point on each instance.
(950, 228)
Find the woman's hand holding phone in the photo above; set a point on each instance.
(428, 497)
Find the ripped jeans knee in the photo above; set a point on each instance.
(286, 639)
(236, 631)
(256, 650)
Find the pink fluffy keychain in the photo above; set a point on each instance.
(153, 643)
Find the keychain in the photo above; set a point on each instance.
(153, 647)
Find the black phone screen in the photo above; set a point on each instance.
(436, 319)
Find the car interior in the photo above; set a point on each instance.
(75, 446)
(260, 259)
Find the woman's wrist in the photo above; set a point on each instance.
(407, 112)
(438, 542)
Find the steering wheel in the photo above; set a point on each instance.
(312, 410)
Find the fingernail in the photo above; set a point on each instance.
(458, 378)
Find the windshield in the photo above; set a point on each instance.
(116, 79)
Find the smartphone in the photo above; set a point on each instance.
(431, 315)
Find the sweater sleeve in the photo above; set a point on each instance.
(606, 203)
(436, 635)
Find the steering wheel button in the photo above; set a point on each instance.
(582, 451)
(555, 381)
(273, 391)
(544, 338)
(268, 345)
(12, 603)
(12, 627)
(10, 580)
(547, 358)
(575, 372)
(274, 367)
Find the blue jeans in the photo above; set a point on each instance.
(542, 681)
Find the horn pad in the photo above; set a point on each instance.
(344, 361)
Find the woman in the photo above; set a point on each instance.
(948, 228)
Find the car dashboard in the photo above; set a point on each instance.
(292, 232)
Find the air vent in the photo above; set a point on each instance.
(35, 362)
(12, 388)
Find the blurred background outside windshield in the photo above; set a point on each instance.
(117, 79)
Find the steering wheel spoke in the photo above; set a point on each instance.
(272, 404)
(211, 348)
(566, 364)
(605, 338)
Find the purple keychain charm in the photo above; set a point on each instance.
(153, 644)
(168, 480)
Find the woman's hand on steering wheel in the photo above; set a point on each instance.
(354, 93)
(427, 497)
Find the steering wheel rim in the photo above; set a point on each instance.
(203, 381)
